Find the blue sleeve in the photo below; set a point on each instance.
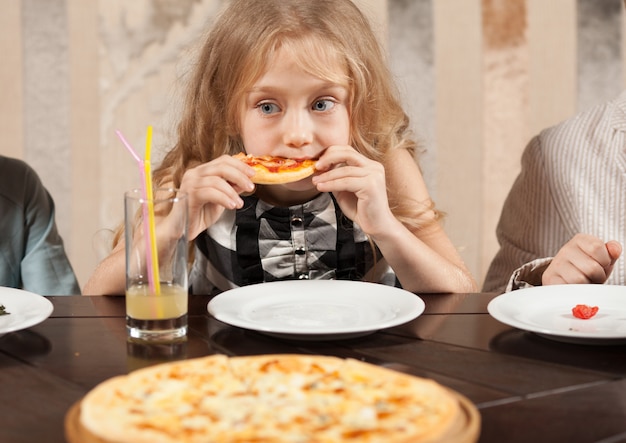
(43, 264)
(46, 270)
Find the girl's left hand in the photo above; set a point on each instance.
(358, 183)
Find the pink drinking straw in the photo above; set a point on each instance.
(146, 218)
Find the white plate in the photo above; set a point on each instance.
(316, 309)
(25, 309)
(547, 311)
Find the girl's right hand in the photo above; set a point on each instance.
(212, 187)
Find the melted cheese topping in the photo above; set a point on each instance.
(267, 399)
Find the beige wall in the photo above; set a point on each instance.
(479, 78)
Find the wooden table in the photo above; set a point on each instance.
(527, 388)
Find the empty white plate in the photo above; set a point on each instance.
(316, 309)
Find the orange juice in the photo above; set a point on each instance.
(142, 305)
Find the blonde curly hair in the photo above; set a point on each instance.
(321, 35)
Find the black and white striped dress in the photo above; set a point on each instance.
(263, 243)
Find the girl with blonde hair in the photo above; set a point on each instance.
(306, 80)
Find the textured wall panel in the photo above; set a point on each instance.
(146, 48)
(599, 51)
(552, 62)
(412, 61)
(46, 102)
(11, 108)
(458, 122)
(84, 117)
(505, 108)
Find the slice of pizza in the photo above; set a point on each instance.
(277, 170)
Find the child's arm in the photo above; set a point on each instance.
(210, 187)
(583, 259)
(424, 260)
(109, 278)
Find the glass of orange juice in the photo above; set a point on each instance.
(156, 265)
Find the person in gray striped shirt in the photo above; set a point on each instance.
(563, 220)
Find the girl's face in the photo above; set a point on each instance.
(291, 113)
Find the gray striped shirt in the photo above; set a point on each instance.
(573, 180)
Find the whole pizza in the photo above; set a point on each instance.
(270, 398)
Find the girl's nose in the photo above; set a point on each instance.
(298, 130)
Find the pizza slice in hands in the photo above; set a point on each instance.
(277, 170)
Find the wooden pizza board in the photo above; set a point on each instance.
(75, 432)
(466, 428)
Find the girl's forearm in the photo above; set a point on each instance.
(109, 278)
(419, 267)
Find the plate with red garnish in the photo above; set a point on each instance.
(585, 314)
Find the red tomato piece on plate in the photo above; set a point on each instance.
(584, 311)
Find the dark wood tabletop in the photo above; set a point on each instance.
(527, 388)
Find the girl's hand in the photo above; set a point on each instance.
(359, 186)
(212, 187)
(583, 259)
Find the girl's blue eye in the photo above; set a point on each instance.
(268, 108)
(323, 105)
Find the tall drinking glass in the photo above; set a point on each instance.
(156, 265)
